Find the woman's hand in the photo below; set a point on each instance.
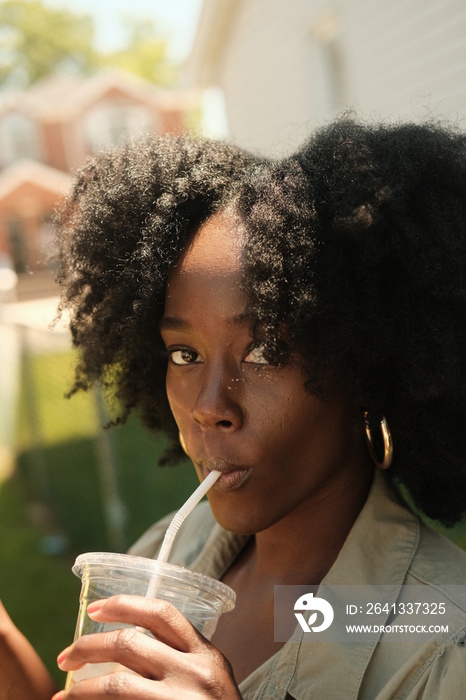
(178, 663)
(23, 676)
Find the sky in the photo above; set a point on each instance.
(177, 19)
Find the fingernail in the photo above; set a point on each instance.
(61, 657)
(95, 607)
(59, 696)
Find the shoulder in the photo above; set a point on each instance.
(409, 668)
(189, 540)
(428, 672)
(440, 566)
(438, 561)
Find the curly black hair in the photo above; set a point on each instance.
(356, 243)
(128, 216)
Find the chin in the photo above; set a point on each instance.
(237, 522)
(232, 520)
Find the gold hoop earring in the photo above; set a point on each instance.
(387, 441)
(182, 442)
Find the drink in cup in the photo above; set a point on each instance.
(201, 599)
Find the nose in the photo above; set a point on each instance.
(218, 402)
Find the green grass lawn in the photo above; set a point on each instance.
(59, 489)
(60, 447)
(40, 592)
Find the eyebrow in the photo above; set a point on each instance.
(173, 323)
(170, 323)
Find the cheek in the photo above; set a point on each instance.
(281, 420)
(177, 399)
(290, 429)
(299, 424)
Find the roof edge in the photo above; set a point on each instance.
(203, 66)
(44, 176)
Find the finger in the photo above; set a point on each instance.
(161, 618)
(128, 646)
(119, 686)
(195, 678)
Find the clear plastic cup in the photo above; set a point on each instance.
(201, 599)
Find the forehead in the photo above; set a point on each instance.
(215, 248)
(208, 274)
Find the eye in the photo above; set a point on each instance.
(256, 355)
(184, 356)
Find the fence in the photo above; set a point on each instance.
(66, 485)
(101, 487)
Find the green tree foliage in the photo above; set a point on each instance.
(145, 54)
(38, 40)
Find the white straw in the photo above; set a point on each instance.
(176, 523)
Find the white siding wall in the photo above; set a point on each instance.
(290, 65)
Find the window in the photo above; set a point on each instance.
(19, 138)
(113, 123)
(17, 241)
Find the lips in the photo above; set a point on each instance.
(232, 476)
(232, 480)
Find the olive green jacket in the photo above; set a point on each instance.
(388, 544)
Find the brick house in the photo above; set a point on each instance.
(47, 131)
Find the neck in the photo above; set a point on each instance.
(302, 547)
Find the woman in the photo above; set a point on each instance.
(301, 321)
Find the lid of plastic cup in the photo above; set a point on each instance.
(111, 560)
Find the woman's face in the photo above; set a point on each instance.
(278, 447)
